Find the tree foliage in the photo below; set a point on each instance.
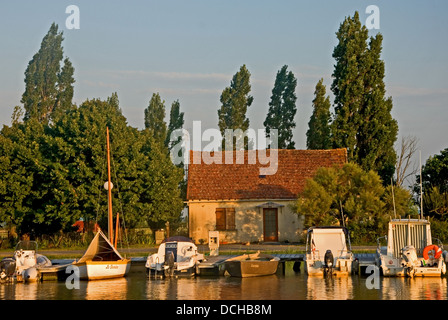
(48, 87)
(319, 131)
(435, 186)
(363, 122)
(282, 108)
(176, 122)
(352, 197)
(235, 100)
(54, 175)
(155, 118)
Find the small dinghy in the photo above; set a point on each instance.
(252, 265)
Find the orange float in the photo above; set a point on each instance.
(436, 249)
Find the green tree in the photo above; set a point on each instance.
(155, 118)
(235, 100)
(48, 88)
(435, 185)
(176, 122)
(282, 108)
(319, 130)
(363, 122)
(353, 197)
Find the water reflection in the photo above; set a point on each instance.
(291, 286)
(414, 289)
(111, 289)
(19, 291)
(332, 288)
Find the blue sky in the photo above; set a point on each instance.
(189, 50)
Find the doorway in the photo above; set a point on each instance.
(270, 224)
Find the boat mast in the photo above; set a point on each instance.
(421, 187)
(109, 191)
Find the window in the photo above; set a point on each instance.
(225, 218)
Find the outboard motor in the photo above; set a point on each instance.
(328, 263)
(7, 269)
(169, 262)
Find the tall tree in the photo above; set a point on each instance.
(363, 122)
(176, 122)
(155, 118)
(282, 108)
(235, 100)
(319, 130)
(48, 87)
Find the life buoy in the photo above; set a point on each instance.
(437, 251)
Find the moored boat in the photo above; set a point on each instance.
(101, 259)
(25, 264)
(252, 265)
(176, 256)
(410, 250)
(328, 252)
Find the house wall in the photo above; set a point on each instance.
(248, 221)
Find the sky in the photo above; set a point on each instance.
(189, 50)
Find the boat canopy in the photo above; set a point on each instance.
(405, 232)
(100, 249)
(323, 239)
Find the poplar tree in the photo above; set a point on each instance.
(319, 130)
(235, 100)
(155, 118)
(176, 122)
(363, 123)
(48, 88)
(282, 108)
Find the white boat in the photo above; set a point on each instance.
(176, 256)
(101, 259)
(410, 250)
(328, 252)
(25, 263)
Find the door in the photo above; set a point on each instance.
(270, 224)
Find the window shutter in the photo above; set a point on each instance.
(230, 218)
(220, 219)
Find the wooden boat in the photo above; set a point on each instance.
(252, 265)
(410, 250)
(328, 252)
(101, 259)
(176, 256)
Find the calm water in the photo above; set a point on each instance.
(290, 286)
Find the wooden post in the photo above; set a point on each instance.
(116, 231)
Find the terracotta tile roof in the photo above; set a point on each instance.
(243, 181)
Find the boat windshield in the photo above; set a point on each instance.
(26, 245)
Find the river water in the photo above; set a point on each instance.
(287, 286)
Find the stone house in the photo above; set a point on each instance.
(245, 206)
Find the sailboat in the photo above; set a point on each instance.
(102, 259)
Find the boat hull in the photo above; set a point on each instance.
(97, 270)
(251, 268)
(391, 268)
(187, 272)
